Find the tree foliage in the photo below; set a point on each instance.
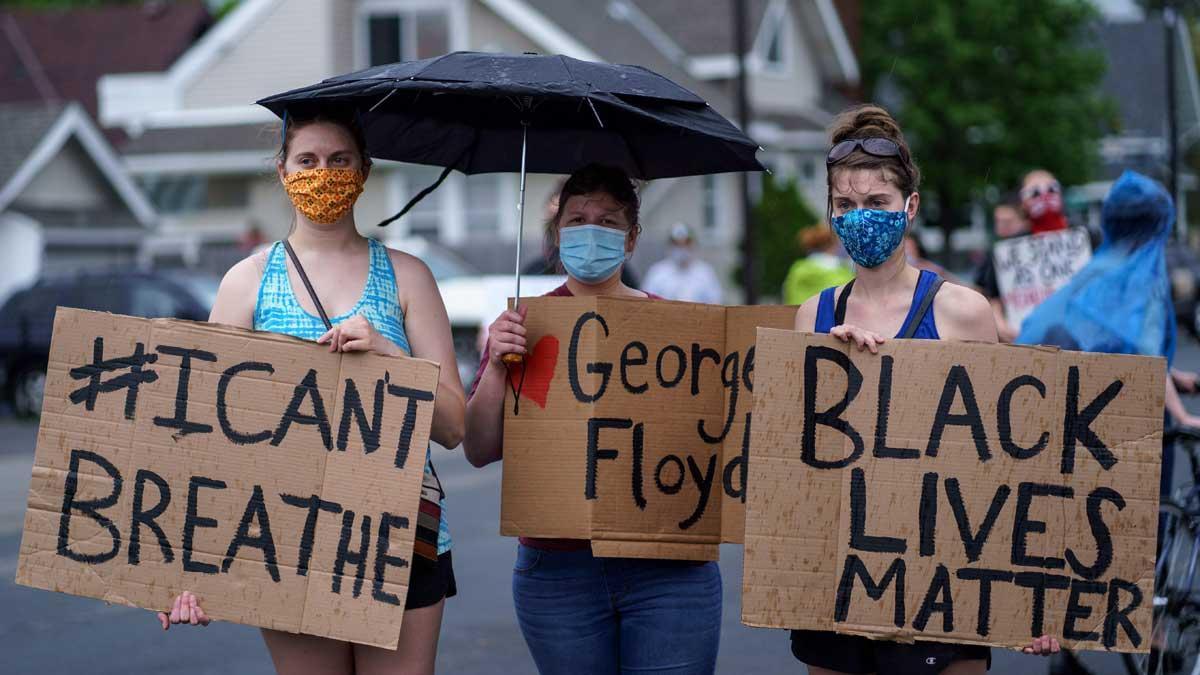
(987, 90)
(779, 215)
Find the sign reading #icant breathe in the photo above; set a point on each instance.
(276, 480)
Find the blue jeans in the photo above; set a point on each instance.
(600, 616)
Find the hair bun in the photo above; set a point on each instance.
(865, 121)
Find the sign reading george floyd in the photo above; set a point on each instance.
(1029, 269)
(949, 491)
(632, 423)
(276, 480)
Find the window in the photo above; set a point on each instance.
(708, 189)
(772, 45)
(185, 193)
(425, 219)
(406, 34)
(152, 302)
(483, 204)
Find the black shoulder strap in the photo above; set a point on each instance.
(307, 284)
(923, 309)
(839, 311)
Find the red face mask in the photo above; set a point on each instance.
(1044, 206)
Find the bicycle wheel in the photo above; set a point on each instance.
(1175, 550)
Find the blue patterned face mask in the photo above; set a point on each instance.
(591, 253)
(871, 235)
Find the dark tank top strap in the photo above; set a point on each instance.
(922, 310)
(839, 314)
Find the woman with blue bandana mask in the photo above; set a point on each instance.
(666, 617)
(873, 200)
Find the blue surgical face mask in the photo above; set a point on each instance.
(591, 253)
(871, 235)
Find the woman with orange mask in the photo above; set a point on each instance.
(373, 299)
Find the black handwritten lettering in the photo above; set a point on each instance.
(729, 378)
(256, 510)
(1104, 542)
(627, 362)
(307, 389)
(315, 505)
(927, 514)
(973, 543)
(356, 557)
(234, 436)
(639, 452)
(180, 420)
(832, 417)
(699, 355)
(704, 482)
(1077, 423)
(1038, 582)
(854, 567)
(1118, 616)
(741, 465)
(882, 415)
(958, 383)
(192, 520)
(88, 507)
(1023, 526)
(382, 560)
(595, 453)
(130, 381)
(603, 369)
(937, 599)
(859, 539)
(146, 517)
(658, 471)
(409, 426)
(1076, 611)
(1004, 418)
(352, 408)
(985, 577)
(674, 380)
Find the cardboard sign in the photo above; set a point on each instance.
(276, 480)
(631, 427)
(1029, 269)
(957, 492)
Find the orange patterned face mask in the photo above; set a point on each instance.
(324, 195)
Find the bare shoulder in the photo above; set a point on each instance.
(238, 293)
(409, 268)
(806, 315)
(245, 273)
(964, 313)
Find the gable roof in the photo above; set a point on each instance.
(57, 55)
(44, 132)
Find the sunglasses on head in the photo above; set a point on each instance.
(876, 147)
(1038, 190)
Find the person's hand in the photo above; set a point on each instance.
(1185, 382)
(185, 610)
(1043, 646)
(1006, 332)
(865, 339)
(506, 335)
(356, 334)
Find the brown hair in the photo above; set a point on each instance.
(293, 123)
(816, 237)
(610, 180)
(872, 121)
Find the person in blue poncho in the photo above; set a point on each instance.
(1120, 302)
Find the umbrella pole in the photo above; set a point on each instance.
(517, 358)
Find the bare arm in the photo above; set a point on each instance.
(806, 316)
(428, 329)
(964, 314)
(238, 294)
(484, 443)
(1007, 332)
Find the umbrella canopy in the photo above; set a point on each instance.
(469, 111)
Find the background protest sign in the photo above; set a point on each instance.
(1029, 269)
(630, 427)
(949, 491)
(276, 480)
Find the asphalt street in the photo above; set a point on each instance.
(43, 632)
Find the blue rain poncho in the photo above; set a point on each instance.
(1120, 302)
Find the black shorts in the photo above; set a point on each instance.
(854, 654)
(430, 581)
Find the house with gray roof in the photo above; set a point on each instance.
(204, 152)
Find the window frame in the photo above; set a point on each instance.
(454, 11)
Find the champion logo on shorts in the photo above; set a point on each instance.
(931, 661)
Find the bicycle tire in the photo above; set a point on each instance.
(1170, 629)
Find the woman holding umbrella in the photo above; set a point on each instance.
(378, 300)
(666, 617)
(872, 192)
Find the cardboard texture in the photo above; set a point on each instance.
(630, 429)
(1029, 269)
(916, 502)
(220, 467)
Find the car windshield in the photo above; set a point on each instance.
(202, 286)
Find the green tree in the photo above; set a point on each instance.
(987, 90)
(779, 215)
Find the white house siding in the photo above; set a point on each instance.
(69, 182)
(489, 32)
(291, 47)
(798, 88)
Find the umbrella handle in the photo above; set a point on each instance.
(512, 359)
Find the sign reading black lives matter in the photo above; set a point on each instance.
(1029, 269)
(276, 480)
(950, 491)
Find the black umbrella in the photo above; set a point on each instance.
(482, 113)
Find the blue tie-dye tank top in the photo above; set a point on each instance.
(278, 311)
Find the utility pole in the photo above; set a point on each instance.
(1170, 19)
(749, 244)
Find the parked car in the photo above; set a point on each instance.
(27, 319)
(1183, 266)
(472, 299)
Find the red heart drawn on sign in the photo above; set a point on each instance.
(538, 371)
